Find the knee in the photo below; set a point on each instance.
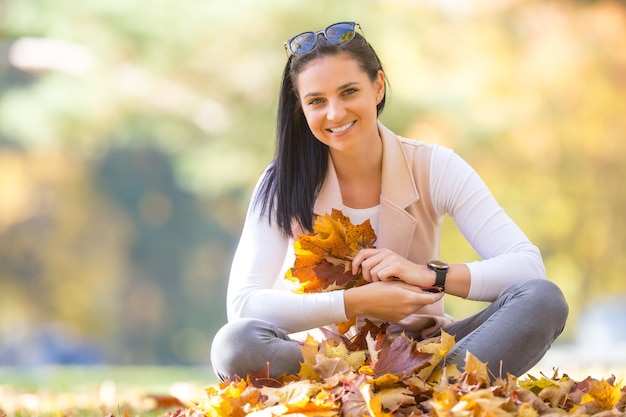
(245, 345)
(228, 345)
(549, 301)
(233, 332)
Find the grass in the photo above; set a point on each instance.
(100, 390)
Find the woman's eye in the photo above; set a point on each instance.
(350, 91)
(315, 101)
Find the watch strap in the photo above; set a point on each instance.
(440, 280)
(441, 272)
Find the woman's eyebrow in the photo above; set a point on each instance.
(341, 87)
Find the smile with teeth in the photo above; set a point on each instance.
(341, 128)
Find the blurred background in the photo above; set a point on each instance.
(132, 133)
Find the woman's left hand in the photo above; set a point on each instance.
(386, 265)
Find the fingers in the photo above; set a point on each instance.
(362, 255)
(431, 297)
(377, 265)
(393, 300)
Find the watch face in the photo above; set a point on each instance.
(438, 264)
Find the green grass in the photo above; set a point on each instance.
(98, 390)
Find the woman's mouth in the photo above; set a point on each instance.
(341, 128)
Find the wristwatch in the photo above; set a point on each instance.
(441, 269)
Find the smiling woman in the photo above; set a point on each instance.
(342, 116)
(333, 153)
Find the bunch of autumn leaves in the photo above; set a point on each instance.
(324, 258)
(379, 374)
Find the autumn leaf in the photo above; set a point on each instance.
(385, 381)
(233, 398)
(340, 350)
(303, 397)
(335, 235)
(481, 403)
(163, 401)
(324, 258)
(439, 348)
(369, 329)
(477, 370)
(602, 396)
(443, 401)
(344, 326)
(553, 391)
(396, 354)
(529, 402)
(353, 402)
(373, 402)
(309, 354)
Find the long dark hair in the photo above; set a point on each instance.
(295, 177)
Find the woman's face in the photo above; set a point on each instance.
(339, 102)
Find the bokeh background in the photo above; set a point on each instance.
(132, 133)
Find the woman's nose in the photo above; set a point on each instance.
(336, 110)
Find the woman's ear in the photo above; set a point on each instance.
(380, 84)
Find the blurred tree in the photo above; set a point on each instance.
(177, 277)
(132, 135)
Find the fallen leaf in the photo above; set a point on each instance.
(397, 355)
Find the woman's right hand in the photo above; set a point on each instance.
(389, 301)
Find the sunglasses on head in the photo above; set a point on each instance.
(336, 33)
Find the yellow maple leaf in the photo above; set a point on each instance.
(439, 348)
(304, 397)
(229, 399)
(602, 394)
(373, 402)
(474, 366)
(536, 385)
(309, 353)
(441, 374)
(481, 403)
(556, 393)
(443, 401)
(392, 398)
(385, 381)
(329, 358)
(344, 326)
(339, 350)
(526, 410)
(329, 237)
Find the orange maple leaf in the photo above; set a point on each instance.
(324, 257)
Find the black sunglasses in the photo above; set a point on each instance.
(336, 33)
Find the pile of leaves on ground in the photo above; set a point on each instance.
(368, 376)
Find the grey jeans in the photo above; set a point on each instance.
(512, 334)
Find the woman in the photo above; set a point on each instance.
(332, 152)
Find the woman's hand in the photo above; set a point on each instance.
(386, 265)
(388, 301)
